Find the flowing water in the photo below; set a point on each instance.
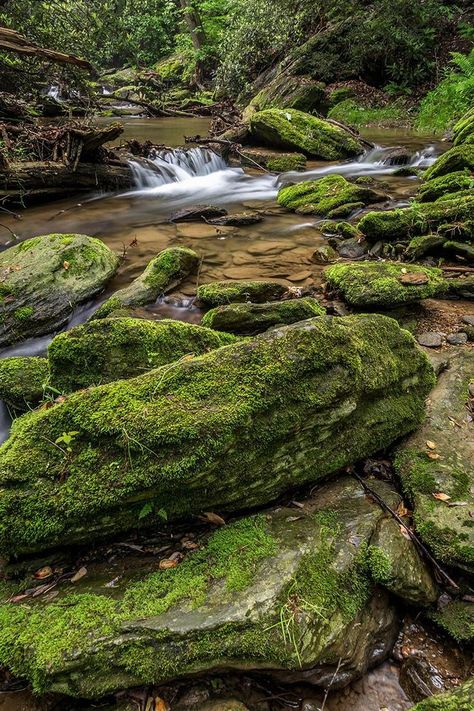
(136, 223)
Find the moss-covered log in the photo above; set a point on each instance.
(227, 430)
(299, 594)
(45, 277)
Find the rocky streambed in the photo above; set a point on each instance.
(266, 500)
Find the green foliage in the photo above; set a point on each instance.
(451, 98)
(355, 114)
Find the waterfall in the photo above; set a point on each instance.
(175, 166)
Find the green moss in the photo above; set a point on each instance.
(459, 699)
(234, 427)
(248, 318)
(435, 188)
(342, 229)
(295, 130)
(424, 244)
(285, 163)
(23, 381)
(418, 219)
(326, 195)
(108, 349)
(353, 113)
(457, 619)
(379, 565)
(24, 313)
(163, 273)
(287, 91)
(456, 159)
(378, 283)
(463, 130)
(218, 293)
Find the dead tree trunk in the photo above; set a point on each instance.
(12, 41)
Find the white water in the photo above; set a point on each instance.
(190, 176)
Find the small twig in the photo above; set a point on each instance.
(326, 694)
(9, 230)
(425, 552)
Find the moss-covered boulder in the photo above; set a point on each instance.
(217, 293)
(327, 196)
(22, 381)
(109, 349)
(461, 286)
(424, 244)
(44, 278)
(407, 222)
(435, 467)
(297, 131)
(249, 319)
(300, 594)
(275, 161)
(385, 284)
(457, 158)
(287, 91)
(460, 699)
(162, 274)
(338, 229)
(226, 430)
(463, 131)
(433, 189)
(457, 619)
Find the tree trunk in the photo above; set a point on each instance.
(194, 24)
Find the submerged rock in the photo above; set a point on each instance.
(240, 219)
(109, 349)
(249, 319)
(44, 278)
(298, 595)
(327, 196)
(23, 381)
(407, 222)
(385, 284)
(296, 131)
(163, 273)
(461, 699)
(218, 293)
(197, 213)
(435, 465)
(231, 429)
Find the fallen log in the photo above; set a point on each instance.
(154, 111)
(13, 41)
(35, 180)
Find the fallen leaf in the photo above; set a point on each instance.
(457, 503)
(430, 444)
(402, 510)
(213, 518)
(167, 563)
(433, 455)
(160, 704)
(405, 533)
(66, 264)
(189, 545)
(80, 574)
(441, 497)
(18, 598)
(290, 519)
(43, 573)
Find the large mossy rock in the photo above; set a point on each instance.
(435, 188)
(404, 223)
(459, 157)
(446, 469)
(109, 349)
(385, 284)
(296, 594)
(462, 287)
(248, 319)
(44, 278)
(461, 699)
(329, 196)
(227, 430)
(23, 381)
(464, 129)
(286, 91)
(218, 293)
(296, 131)
(162, 274)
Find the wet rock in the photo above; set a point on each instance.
(323, 254)
(249, 319)
(326, 195)
(233, 428)
(197, 213)
(430, 474)
(384, 284)
(408, 222)
(162, 274)
(297, 131)
(223, 605)
(352, 248)
(469, 319)
(432, 189)
(430, 663)
(430, 339)
(378, 690)
(23, 381)
(457, 339)
(460, 249)
(461, 699)
(226, 292)
(462, 287)
(457, 158)
(274, 161)
(425, 244)
(109, 349)
(340, 229)
(237, 219)
(44, 278)
(406, 172)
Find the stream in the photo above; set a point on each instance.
(136, 223)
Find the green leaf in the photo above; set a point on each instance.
(146, 510)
